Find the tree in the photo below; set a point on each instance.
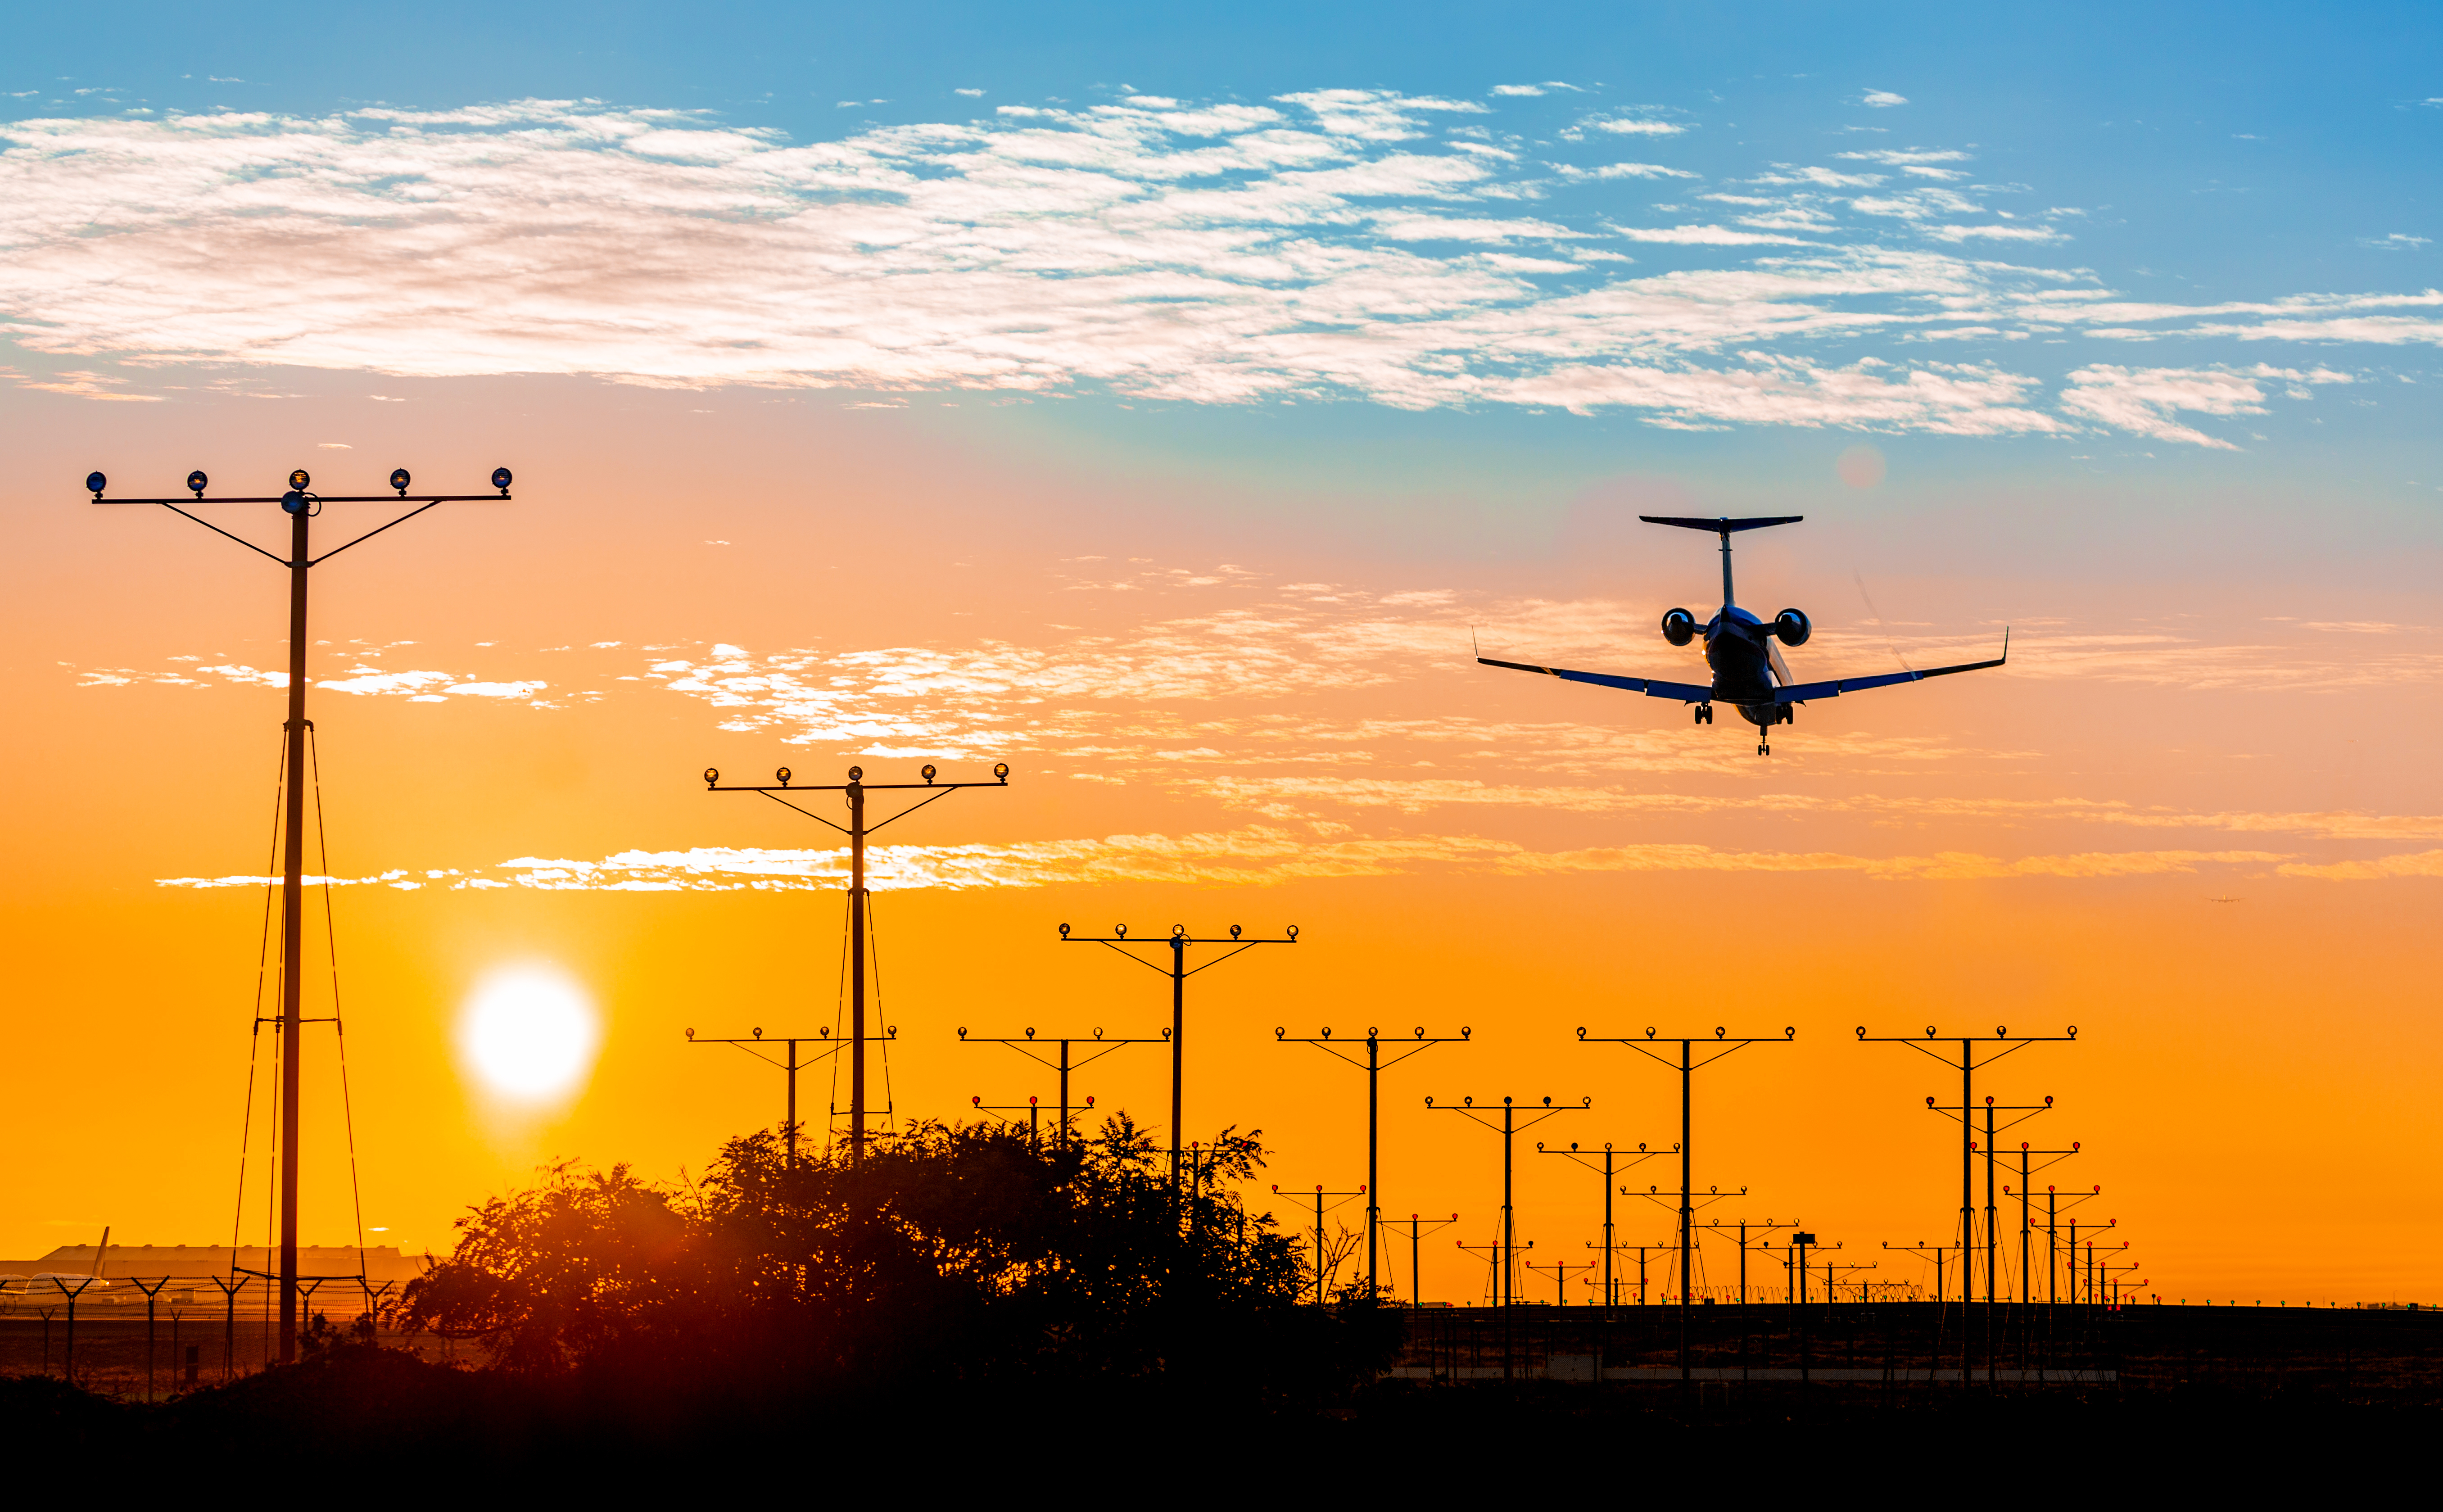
(950, 1253)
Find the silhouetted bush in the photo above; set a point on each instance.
(949, 1255)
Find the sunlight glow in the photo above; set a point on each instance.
(529, 1034)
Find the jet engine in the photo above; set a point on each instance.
(1791, 627)
(1680, 627)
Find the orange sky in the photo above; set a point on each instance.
(1232, 678)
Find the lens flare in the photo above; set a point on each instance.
(529, 1034)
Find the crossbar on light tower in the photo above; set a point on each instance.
(856, 829)
(301, 507)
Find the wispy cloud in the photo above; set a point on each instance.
(1882, 98)
(2144, 401)
(1331, 243)
(1254, 856)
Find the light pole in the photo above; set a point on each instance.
(856, 829)
(301, 506)
(1373, 1065)
(1180, 943)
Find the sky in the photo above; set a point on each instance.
(1163, 405)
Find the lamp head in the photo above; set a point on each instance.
(1000, 771)
(926, 772)
(196, 482)
(711, 775)
(294, 501)
(301, 480)
(501, 480)
(783, 775)
(856, 774)
(95, 482)
(400, 480)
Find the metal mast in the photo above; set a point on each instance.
(301, 507)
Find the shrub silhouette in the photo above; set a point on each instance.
(950, 1254)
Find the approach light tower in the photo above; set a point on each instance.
(301, 506)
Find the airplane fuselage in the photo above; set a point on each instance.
(1737, 647)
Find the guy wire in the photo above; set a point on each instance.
(254, 1034)
(873, 939)
(839, 1024)
(339, 1026)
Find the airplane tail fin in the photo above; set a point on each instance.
(1725, 526)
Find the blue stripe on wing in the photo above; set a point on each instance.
(1651, 687)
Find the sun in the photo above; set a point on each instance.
(529, 1034)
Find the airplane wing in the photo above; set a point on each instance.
(1801, 692)
(1651, 687)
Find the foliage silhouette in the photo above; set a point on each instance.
(950, 1254)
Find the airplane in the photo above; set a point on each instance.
(1749, 673)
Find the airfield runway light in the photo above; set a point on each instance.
(757, 1031)
(399, 479)
(1000, 771)
(783, 775)
(500, 479)
(1234, 932)
(295, 501)
(711, 775)
(197, 483)
(926, 772)
(856, 774)
(691, 1034)
(95, 482)
(300, 479)
(1064, 932)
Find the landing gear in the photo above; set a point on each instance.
(1704, 714)
(1764, 746)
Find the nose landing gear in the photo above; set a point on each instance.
(1764, 746)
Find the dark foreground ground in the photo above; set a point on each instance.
(2147, 1396)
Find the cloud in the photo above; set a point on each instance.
(1995, 233)
(2423, 863)
(2143, 400)
(1883, 99)
(972, 94)
(1325, 244)
(1516, 89)
(1253, 856)
(1897, 157)
(2396, 242)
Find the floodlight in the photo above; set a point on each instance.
(294, 501)
(759, 1031)
(1064, 932)
(400, 480)
(300, 479)
(1292, 932)
(1001, 769)
(1234, 932)
(95, 482)
(500, 479)
(196, 482)
(711, 775)
(691, 1034)
(856, 774)
(783, 775)
(926, 772)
